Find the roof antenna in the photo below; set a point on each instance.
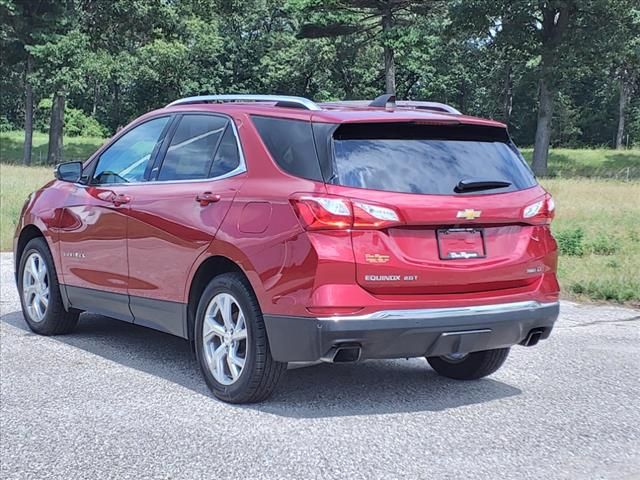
(388, 101)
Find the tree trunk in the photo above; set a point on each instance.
(389, 56)
(56, 127)
(28, 112)
(508, 96)
(622, 105)
(555, 22)
(94, 108)
(116, 103)
(543, 129)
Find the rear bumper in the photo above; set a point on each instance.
(410, 333)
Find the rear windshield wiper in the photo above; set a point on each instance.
(471, 185)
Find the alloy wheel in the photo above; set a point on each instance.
(35, 287)
(224, 338)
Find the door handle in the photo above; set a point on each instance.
(120, 199)
(206, 198)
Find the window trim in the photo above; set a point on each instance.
(241, 168)
(93, 164)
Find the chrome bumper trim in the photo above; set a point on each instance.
(431, 313)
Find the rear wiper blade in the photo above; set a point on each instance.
(470, 185)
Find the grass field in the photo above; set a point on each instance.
(597, 226)
(592, 163)
(75, 148)
(597, 223)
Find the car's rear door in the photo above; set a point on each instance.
(93, 233)
(175, 216)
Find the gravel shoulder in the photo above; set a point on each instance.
(114, 400)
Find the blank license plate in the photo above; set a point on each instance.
(460, 243)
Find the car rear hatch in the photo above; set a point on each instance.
(440, 209)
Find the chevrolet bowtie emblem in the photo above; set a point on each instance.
(468, 214)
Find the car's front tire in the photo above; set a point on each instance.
(39, 291)
(471, 366)
(231, 342)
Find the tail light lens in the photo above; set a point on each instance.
(541, 212)
(326, 212)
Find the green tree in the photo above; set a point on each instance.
(626, 61)
(24, 24)
(380, 21)
(61, 63)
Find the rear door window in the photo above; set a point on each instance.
(426, 159)
(193, 146)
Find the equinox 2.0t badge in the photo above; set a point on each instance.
(468, 214)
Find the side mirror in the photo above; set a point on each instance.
(68, 171)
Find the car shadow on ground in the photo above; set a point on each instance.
(371, 387)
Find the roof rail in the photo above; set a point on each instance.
(280, 100)
(437, 106)
(381, 102)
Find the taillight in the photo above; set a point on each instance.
(323, 212)
(541, 212)
(327, 212)
(367, 215)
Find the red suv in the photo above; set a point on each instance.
(272, 229)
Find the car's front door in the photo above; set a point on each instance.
(94, 224)
(175, 216)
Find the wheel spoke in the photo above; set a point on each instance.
(33, 268)
(239, 335)
(37, 307)
(226, 311)
(238, 361)
(211, 329)
(29, 291)
(42, 271)
(217, 359)
(233, 368)
(240, 320)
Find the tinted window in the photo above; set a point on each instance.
(126, 160)
(426, 159)
(290, 143)
(192, 148)
(227, 157)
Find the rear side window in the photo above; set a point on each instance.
(290, 143)
(425, 159)
(193, 147)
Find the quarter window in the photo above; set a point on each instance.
(194, 147)
(126, 160)
(290, 143)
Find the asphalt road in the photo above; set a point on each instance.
(118, 401)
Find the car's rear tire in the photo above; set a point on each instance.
(231, 342)
(39, 290)
(471, 366)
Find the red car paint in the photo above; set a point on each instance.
(149, 239)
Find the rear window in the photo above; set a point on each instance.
(426, 159)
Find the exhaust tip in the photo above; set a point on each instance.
(343, 354)
(346, 355)
(533, 337)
